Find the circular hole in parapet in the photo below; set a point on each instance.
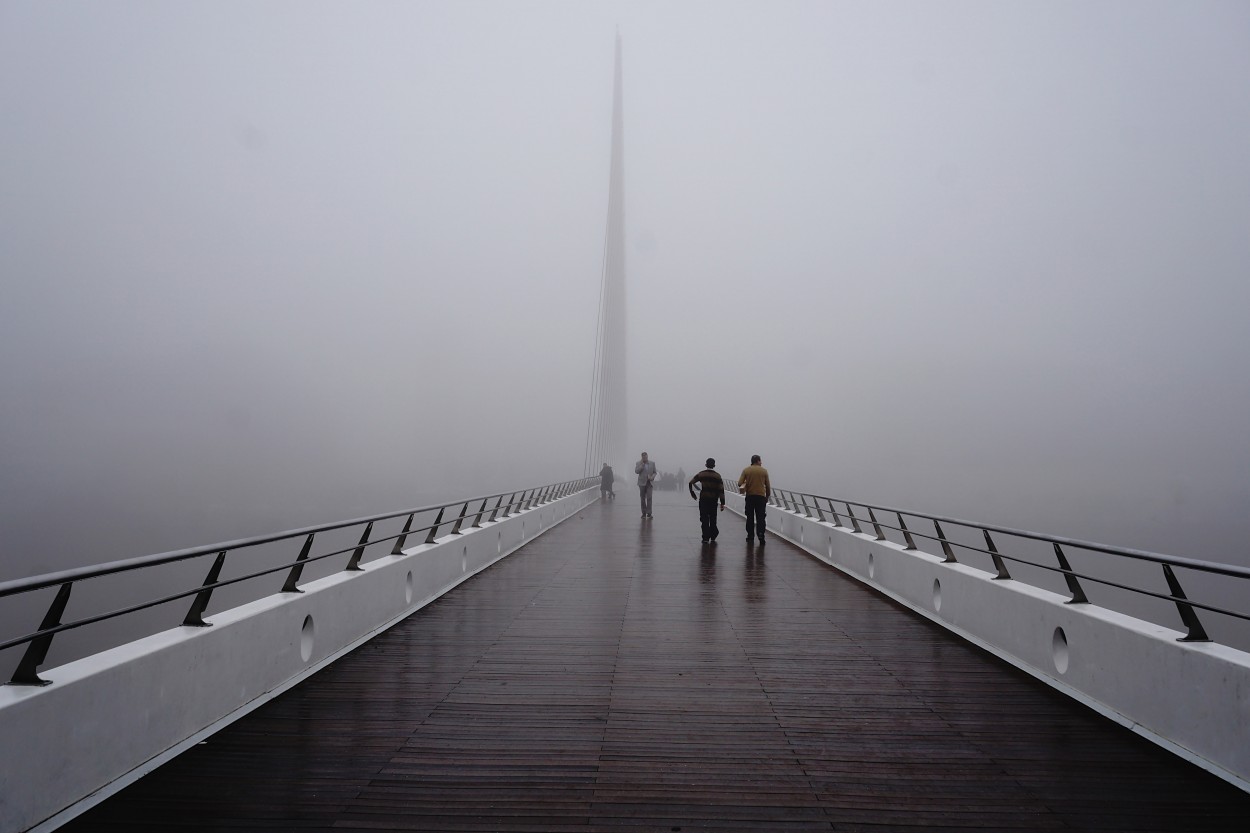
(306, 638)
(937, 595)
(1059, 648)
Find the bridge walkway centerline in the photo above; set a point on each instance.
(615, 674)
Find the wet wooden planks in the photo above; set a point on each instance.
(616, 675)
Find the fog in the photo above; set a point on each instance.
(268, 265)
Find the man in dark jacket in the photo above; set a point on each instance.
(606, 476)
(711, 491)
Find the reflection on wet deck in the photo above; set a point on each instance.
(616, 674)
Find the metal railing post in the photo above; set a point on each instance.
(911, 545)
(293, 577)
(1196, 632)
(429, 539)
(946, 547)
(354, 563)
(455, 530)
(1074, 586)
(27, 672)
(195, 616)
(850, 513)
(403, 536)
(477, 522)
(495, 511)
(872, 516)
(998, 561)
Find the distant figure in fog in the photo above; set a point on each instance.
(606, 476)
(646, 471)
(711, 491)
(754, 484)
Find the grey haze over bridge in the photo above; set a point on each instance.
(985, 263)
(938, 325)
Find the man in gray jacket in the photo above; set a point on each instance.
(645, 469)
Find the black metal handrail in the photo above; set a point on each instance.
(798, 503)
(40, 640)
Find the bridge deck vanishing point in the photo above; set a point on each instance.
(616, 674)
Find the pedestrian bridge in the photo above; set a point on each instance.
(613, 673)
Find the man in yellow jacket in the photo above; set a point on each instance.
(754, 484)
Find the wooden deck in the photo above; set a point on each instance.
(617, 675)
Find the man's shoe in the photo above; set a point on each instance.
(748, 539)
(761, 542)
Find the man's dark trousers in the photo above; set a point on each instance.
(707, 518)
(755, 515)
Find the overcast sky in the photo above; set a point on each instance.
(270, 264)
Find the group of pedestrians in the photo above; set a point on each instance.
(710, 493)
(754, 485)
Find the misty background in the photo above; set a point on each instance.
(268, 265)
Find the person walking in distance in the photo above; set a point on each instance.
(711, 490)
(645, 469)
(754, 484)
(606, 476)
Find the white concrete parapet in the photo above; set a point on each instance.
(1192, 698)
(108, 719)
